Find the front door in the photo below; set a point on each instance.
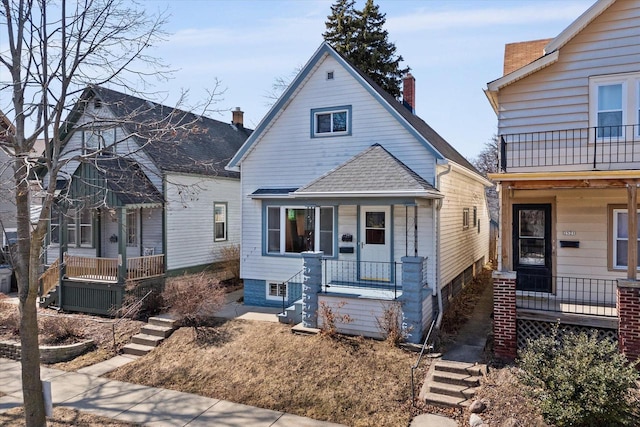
(532, 247)
(375, 243)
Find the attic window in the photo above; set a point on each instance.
(332, 121)
(97, 103)
(330, 75)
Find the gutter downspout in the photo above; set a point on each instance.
(436, 233)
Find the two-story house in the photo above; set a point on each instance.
(569, 126)
(341, 171)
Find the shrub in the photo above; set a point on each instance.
(193, 299)
(59, 330)
(579, 380)
(231, 261)
(390, 325)
(330, 316)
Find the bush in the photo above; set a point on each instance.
(60, 330)
(580, 380)
(330, 316)
(390, 325)
(193, 299)
(231, 261)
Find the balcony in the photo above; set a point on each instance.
(594, 148)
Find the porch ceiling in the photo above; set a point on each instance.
(568, 180)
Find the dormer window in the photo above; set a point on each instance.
(334, 121)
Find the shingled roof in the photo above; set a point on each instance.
(374, 170)
(176, 140)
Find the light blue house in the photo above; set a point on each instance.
(339, 166)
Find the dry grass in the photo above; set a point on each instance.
(353, 381)
(62, 417)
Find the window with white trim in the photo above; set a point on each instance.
(620, 238)
(220, 221)
(277, 290)
(465, 218)
(79, 227)
(614, 106)
(132, 227)
(334, 121)
(98, 139)
(296, 229)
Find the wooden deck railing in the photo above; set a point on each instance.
(49, 279)
(145, 266)
(102, 269)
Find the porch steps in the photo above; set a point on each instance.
(151, 335)
(292, 314)
(49, 299)
(452, 384)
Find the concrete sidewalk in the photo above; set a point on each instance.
(140, 404)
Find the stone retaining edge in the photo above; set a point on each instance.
(48, 353)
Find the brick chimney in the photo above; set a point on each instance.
(237, 117)
(409, 92)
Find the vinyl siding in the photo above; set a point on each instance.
(287, 156)
(557, 97)
(189, 219)
(363, 314)
(459, 247)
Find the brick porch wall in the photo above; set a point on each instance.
(504, 315)
(629, 318)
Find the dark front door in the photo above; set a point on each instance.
(532, 247)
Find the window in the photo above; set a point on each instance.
(220, 221)
(294, 230)
(277, 290)
(79, 227)
(330, 75)
(10, 237)
(615, 105)
(620, 238)
(475, 216)
(132, 228)
(331, 121)
(98, 139)
(465, 218)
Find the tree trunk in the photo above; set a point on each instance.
(28, 251)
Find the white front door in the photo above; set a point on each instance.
(375, 243)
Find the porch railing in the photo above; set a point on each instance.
(596, 297)
(291, 289)
(605, 147)
(102, 269)
(381, 276)
(145, 266)
(50, 278)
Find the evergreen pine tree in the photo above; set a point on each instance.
(360, 36)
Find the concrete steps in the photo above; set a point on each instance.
(49, 299)
(292, 314)
(151, 335)
(452, 384)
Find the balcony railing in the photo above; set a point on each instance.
(608, 147)
(369, 275)
(577, 295)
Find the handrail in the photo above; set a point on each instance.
(414, 367)
(129, 311)
(49, 279)
(285, 284)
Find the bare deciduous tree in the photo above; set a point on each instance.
(50, 52)
(487, 161)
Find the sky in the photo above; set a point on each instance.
(453, 47)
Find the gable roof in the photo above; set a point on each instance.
(432, 141)
(175, 140)
(372, 173)
(551, 52)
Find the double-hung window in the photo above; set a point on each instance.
(79, 227)
(620, 238)
(292, 230)
(614, 102)
(334, 121)
(132, 227)
(220, 221)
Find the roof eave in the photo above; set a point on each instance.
(425, 194)
(578, 25)
(523, 72)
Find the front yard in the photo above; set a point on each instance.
(353, 381)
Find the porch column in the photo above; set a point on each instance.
(311, 288)
(628, 304)
(632, 249)
(122, 245)
(412, 297)
(505, 344)
(506, 222)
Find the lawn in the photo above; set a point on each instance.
(353, 381)
(62, 417)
